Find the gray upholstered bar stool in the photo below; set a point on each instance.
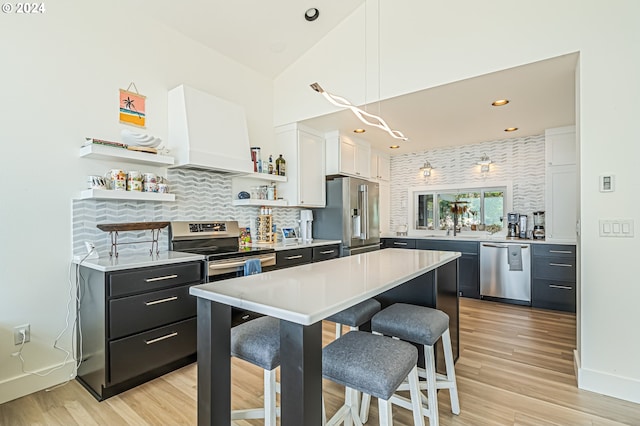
(375, 365)
(355, 316)
(423, 326)
(258, 342)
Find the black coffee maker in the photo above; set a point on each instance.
(512, 225)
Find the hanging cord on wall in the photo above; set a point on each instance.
(76, 326)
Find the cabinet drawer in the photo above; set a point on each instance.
(554, 250)
(325, 252)
(405, 243)
(548, 294)
(134, 355)
(133, 314)
(468, 247)
(287, 258)
(563, 269)
(145, 279)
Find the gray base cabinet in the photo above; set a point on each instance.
(553, 277)
(136, 325)
(303, 255)
(469, 285)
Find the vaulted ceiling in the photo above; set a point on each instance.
(269, 36)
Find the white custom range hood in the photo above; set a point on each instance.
(206, 132)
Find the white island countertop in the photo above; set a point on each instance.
(131, 261)
(306, 294)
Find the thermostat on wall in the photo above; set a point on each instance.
(607, 183)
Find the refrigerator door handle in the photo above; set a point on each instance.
(364, 211)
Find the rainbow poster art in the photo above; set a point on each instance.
(132, 108)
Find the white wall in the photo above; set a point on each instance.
(426, 44)
(60, 76)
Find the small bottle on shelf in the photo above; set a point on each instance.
(271, 164)
(280, 166)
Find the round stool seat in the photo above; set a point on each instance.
(358, 314)
(258, 342)
(412, 323)
(372, 364)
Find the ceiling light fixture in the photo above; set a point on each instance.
(484, 163)
(500, 102)
(426, 169)
(394, 146)
(365, 117)
(311, 14)
(359, 130)
(510, 129)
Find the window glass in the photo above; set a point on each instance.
(466, 207)
(424, 211)
(493, 207)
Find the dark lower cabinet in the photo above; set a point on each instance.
(469, 279)
(137, 324)
(406, 243)
(325, 253)
(553, 277)
(293, 257)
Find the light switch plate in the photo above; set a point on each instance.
(616, 228)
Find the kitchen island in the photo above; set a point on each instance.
(301, 297)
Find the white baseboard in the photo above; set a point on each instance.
(26, 384)
(606, 384)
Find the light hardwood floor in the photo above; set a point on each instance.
(515, 368)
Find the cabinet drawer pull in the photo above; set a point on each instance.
(561, 251)
(561, 287)
(327, 252)
(298, 256)
(166, 277)
(158, 339)
(399, 244)
(564, 265)
(155, 302)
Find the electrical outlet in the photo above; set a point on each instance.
(17, 335)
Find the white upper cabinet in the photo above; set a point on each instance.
(303, 149)
(560, 146)
(380, 166)
(561, 185)
(348, 156)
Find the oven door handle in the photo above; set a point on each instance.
(214, 266)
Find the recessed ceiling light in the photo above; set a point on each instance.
(510, 129)
(394, 146)
(359, 131)
(311, 14)
(500, 102)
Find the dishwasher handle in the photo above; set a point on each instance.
(502, 246)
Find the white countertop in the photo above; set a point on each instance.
(309, 293)
(130, 261)
(474, 236)
(289, 246)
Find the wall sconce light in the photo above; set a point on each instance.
(426, 169)
(484, 163)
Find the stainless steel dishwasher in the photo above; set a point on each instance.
(499, 279)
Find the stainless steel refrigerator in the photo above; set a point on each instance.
(351, 215)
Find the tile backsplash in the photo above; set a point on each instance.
(519, 160)
(200, 195)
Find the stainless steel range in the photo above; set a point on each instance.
(219, 242)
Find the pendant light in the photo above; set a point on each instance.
(364, 116)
